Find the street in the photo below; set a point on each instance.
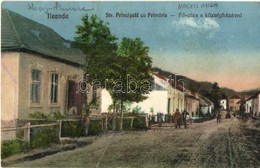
(231, 143)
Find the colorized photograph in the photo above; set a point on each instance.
(130, 84)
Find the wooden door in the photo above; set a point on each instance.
(75, 97)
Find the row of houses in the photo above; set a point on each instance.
(166, 96)
(250, 104)
(41, 71)
(232, 103)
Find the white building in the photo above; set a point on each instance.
(106, 100)
(253, 105)
(164, 98)
(223, 103)
(157, 102)
(206, 106)
(248, 105)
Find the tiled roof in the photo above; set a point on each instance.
(160, 76)
(253, 96)
(206, 100)
(171, 82)
(203, 103)
(19, 32)
(239, 102)
(235, 97)
(191, 96)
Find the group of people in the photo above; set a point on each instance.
(179, 117)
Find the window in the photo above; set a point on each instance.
(36, 86)
(54, 88)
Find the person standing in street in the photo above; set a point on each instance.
(177, 118)
(184, 118)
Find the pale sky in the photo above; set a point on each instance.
(223, 50)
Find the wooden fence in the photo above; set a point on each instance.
(58, 124)
(27, 128)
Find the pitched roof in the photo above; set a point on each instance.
(203, 103)
(253, 96)
(206, 100)
(160, 76)
(235, 97)
(172, 83)
(19, 32)
(191, 96)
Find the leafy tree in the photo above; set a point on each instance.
(99, 46)
(137, 109)
(134, 67)
(128, 66)
(95, 40)
(216, 95)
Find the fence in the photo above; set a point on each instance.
(160, 117)
(104, 118)
(108, 119)
(27, 130)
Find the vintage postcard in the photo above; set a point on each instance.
(130, 84)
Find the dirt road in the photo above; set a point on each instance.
(232, 143)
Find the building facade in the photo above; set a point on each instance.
(206, 106)
(164, 98)
(252, 105)
(223, 103)
(40, 71)
(191, 105)
(234, 104)
(31, 83)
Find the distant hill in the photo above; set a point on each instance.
(229, 92)
(191, 84)
(204, 87)
(250, 92)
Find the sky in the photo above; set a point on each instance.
(186, 42)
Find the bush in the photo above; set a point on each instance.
(12, 147)
(127, 124)
(38, 115)
(69, 128)
(50, 116)
(72, 129)
(56, 115)
(95, 127)
(139, 122)
(152, 120)
(43, 136)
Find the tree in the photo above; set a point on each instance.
(99, 46)
(95, 40)
(133, 76)
(215, 95)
